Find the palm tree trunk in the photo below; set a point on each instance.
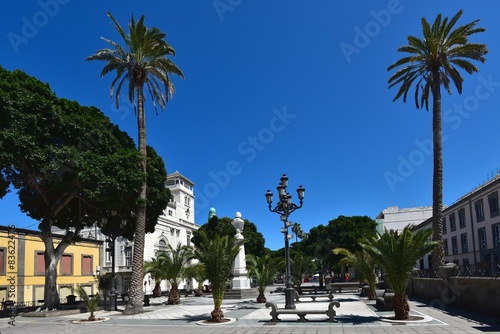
(135, 304)
(437, 179)
(401, 307)
(174, 296)
(157, 290)
(217, 315)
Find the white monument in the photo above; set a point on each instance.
(240, 279)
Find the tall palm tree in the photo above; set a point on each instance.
(217, 254)
(175, 262)
(263, 270)
(365, 265)
(156, 268)
(435, 61)
(297, 230)
(397, 254)
(143, 62)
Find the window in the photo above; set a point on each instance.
(188, 240)
(87, 265)
(463, 240)
(453, 223)
(126, 283)
(170, 213)
(39, 263)
(493, 204)
(479, 210)
(496, 235)
(187, 201)
(2, 261)
(465, 262)
(108, 244)
(444, 225)
(481, 234)
(445, 247)
(461, 218)
(162, 246)
(67, 264)
(128, 256)
(454, 245)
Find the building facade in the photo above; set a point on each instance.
(22, 266)
(176, 225)
(394, 218)
(471, 230)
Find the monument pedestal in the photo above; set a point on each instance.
(240, 284)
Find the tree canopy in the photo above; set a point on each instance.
(254, 240)
(342, 231)
(69, 165)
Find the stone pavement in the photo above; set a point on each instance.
(355, 315)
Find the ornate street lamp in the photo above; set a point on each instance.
(284, 208)
(113, 231)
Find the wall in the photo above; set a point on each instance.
(478, 294)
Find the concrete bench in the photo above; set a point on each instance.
(385, 300)
(302, 313)
(297, 297)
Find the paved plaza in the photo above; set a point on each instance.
(355, 315)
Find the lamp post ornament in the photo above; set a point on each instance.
(284, 208)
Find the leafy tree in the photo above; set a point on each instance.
(156, 268)
(217, 255)
(67, 162)
(342, 232)
(254, 240)
(143, 62)
(175, 262)
(432, 62)
(397, 254)
(263, 270)
(365, 265)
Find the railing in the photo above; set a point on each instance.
(480, 269)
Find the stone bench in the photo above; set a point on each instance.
(385, 300)
(302, 313)
(329, 295)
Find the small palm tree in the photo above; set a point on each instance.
(156, 268)
(90, 302)
(299, 265)
(217, 255)
(263, 270)
(143, 62)
(175, 262)
(365, 265)
(433, 62)
(197, 272)
(397, 254)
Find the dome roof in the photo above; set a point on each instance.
(212, 212)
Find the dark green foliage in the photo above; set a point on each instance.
(70, 166)
(254, 240)
(341, 232)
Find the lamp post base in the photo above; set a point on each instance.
(289, 298)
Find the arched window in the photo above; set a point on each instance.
(162, 246)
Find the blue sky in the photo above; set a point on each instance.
(276, 87)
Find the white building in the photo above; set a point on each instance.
(471, 231)
(394, 218)
(175, 226)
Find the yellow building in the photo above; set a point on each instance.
(22, 266)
